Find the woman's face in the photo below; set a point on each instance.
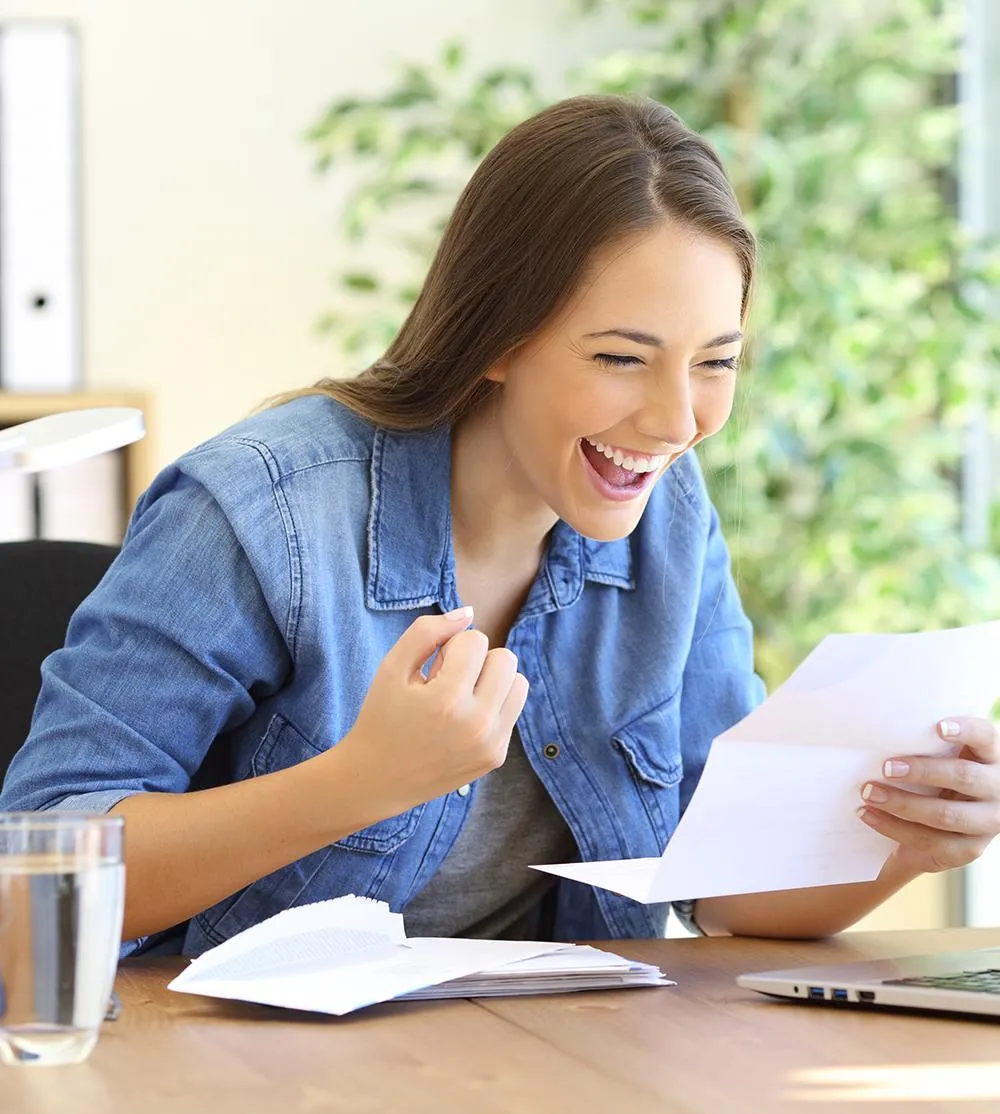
(638, 367)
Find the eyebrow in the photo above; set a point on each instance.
(655, 342)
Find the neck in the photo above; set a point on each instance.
(496, 516)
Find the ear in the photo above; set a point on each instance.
(498, 372)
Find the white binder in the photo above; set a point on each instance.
(39, 208)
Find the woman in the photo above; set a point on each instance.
(519, 459)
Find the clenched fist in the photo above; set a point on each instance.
(431, 734)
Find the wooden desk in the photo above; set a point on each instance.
(703, 1046)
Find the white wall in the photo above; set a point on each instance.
(209, 242)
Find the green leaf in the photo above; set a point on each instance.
(360, 281)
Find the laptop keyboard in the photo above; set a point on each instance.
(983, 982)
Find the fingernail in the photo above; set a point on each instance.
(949, 728)
(863, 812)
(895, 768)
(874, 793)
(459, 613)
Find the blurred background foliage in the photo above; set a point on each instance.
(839, 478)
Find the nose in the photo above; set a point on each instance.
(667, 413)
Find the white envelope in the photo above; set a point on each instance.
(776, 805)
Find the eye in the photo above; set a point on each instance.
(731, 363)
(611, 359)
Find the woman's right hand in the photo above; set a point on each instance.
(424, 736)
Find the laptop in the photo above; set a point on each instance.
(955, 982)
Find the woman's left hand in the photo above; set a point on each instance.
(953, 826)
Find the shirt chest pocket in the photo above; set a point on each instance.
(651, 750)
(284, 746)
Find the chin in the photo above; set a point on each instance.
(605, 527)
(607, 535)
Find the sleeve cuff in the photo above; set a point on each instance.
(130, 947)
(684, 912)
(101, 801)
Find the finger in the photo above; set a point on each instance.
(422, 637)
(943, 814)
(495, 677)
(435, 666)
(463, 661)
(975, 734)
(974, 780)
(514, 703)
(942, 850)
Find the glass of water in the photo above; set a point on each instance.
(62, 898)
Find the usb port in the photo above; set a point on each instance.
(816, 992)
(839, 994)
(866, 995)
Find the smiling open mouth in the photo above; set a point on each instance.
(616, 474)
(619, 467)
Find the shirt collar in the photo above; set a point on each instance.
(411, 562)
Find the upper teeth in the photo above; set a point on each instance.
(623, 460)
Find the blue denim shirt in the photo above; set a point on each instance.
(264, 577)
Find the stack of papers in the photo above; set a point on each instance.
(776, 805)
(340, 955)
(571, 967)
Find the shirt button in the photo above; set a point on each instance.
(551, 750)
(463, 790)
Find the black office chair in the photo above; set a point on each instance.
(41, 584)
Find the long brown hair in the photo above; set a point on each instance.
(569, 180)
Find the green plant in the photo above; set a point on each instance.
(414, 148)
(838, 479)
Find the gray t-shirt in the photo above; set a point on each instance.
(484, 888)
